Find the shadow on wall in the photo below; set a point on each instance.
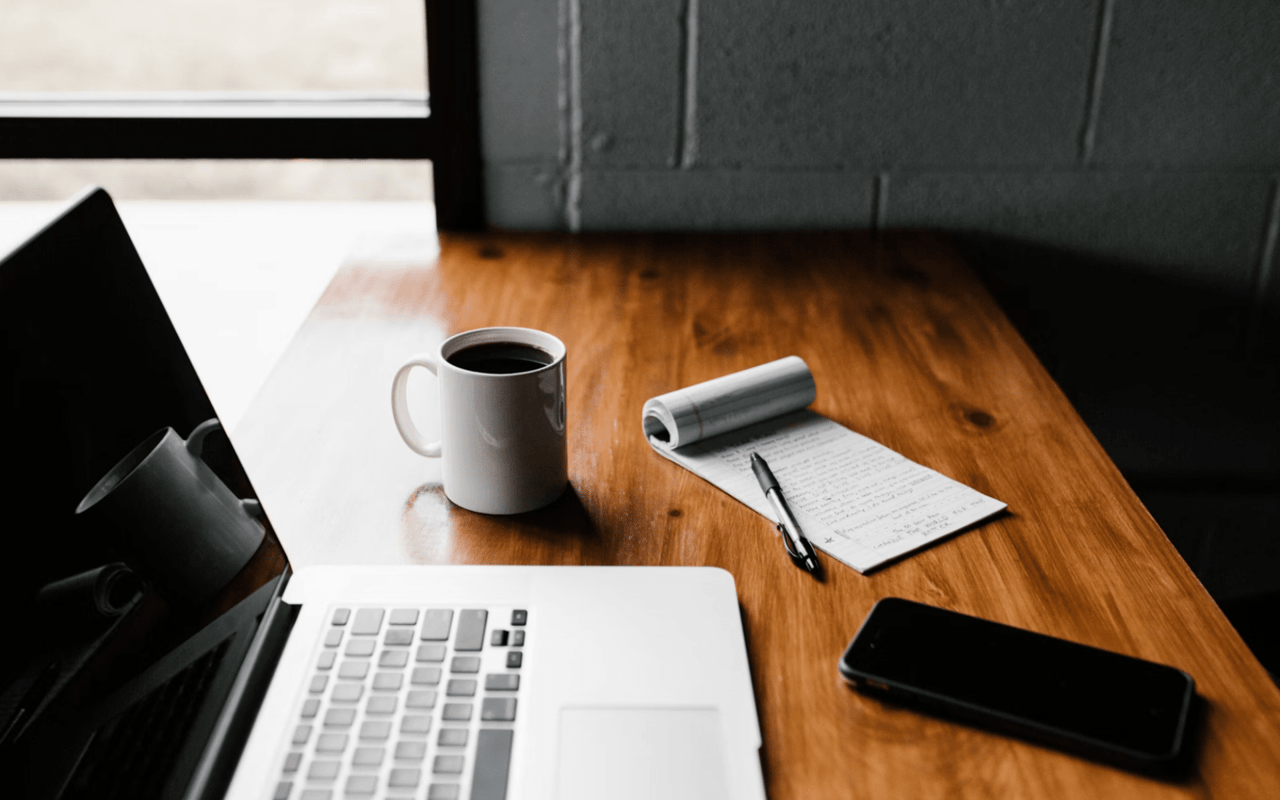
(1179, 384)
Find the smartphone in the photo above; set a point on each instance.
(1111, 707)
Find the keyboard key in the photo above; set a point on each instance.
(398, 637)
(353, 670)
(360, 648)
(317, 794)
(421, 698)
(498, 709)
(362, 784)
(404, 777)
(393, 658)
(453, 737)
(283, 788)
(347, 693)
(517, 638)
(318, 682)
(387, 681)
(331, 743)
(461, 687)
(301, 734)
(457, 712)
(326, 659)
(431, 652)
(381, 704)
(498, 638)
(471, 624)
(415, 723)
(341, 615)
(310, 708)
(403, 616)
(339, 717)
(333, 637)
(375, 729)
(493, 758)
(323, 770)
(436, 624)
(368, 622)
(448, 765)
(465, 664)
(425, 676)
(443, 791)
(519, 617)
(368, 756)
(514, 659)
(292, 761)
(411, 751)
(502, 682)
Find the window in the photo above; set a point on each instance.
(238, 79)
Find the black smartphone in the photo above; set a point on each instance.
(1101, 704)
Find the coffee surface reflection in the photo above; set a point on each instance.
(500, 358)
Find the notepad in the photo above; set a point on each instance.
(857, 500)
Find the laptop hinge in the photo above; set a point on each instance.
(218, 762)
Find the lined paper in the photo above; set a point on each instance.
(857, 500)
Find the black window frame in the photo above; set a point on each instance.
(448, 134)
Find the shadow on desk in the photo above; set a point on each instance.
(1183, 771)
(1179, 384)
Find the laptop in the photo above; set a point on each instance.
(123, 675)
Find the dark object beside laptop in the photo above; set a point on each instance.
(1103, 705)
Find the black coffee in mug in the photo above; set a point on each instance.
(500, 358)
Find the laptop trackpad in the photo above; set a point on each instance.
(641, 754)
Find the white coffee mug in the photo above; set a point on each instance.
(502, 419)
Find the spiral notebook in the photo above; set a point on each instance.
(856, 499)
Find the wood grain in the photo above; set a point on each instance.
(906, 346)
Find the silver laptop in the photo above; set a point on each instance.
(119, 679)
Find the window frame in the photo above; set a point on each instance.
(443, 127)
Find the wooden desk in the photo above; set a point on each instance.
(906, 347)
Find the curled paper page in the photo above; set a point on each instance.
(685, 416)
(856, 499)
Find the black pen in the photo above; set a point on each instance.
(792, 537)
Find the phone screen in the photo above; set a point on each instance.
(1050, 688)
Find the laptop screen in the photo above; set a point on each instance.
(130, 523)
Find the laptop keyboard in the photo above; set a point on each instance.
(408, 702)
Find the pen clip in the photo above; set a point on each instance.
(786, 541)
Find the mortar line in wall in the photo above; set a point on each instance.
(573, 189)
(1264, 273)
(1097, 76)
(879, 198)
(940, 168)
(562, 89)
(686, 144)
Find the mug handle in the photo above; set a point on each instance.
(195, 442)
(400, 407)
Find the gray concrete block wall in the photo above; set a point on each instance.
(1143, 130)
(1187, 226)
(725, 199)
(876, 83)
(630, 73)
(520, 92)
(1191, 84)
